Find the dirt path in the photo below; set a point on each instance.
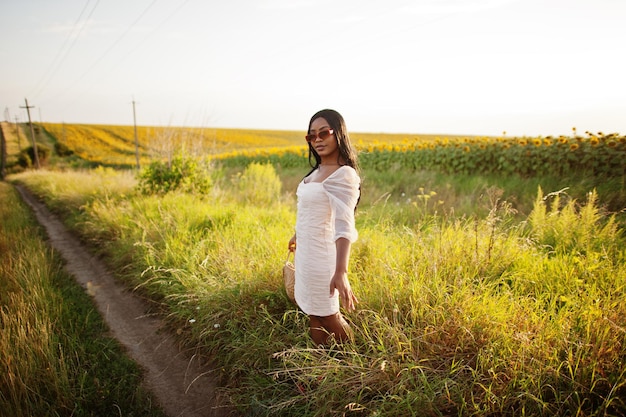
(181, 384)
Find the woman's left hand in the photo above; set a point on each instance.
(340, 283)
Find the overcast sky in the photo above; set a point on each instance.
(527, 67)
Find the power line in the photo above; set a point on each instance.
(48, 72)
(148, 36)
(113, 45)
(157, 28)
(55, 66)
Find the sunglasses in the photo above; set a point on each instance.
(321, 134)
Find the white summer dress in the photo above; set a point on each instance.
(325, 213)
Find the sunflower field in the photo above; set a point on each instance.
(598, 155)
(592, 154)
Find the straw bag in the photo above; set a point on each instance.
(289, 276)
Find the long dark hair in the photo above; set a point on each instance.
(347, 153)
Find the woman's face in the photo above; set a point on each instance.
(327, 148)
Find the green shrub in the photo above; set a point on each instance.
(259, 184)
(182, 174)
(62, 149)
(26, 157)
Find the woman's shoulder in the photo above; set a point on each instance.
(348, 170)
(344, 173)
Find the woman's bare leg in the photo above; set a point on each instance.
(324, 329)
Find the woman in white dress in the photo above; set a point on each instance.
(327, 198)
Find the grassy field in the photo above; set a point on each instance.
(459, 315)
(481, 294)
(56, 357)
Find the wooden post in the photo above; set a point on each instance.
(17, 132)
(136, 139)
(3, 154)
(32, 133)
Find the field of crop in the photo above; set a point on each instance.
(115, 145)
(591, 154)
(596, 155)
(488, 285)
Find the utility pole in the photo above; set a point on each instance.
(3, 154)
(136, 140)
(3, 144)
(17, 132)
(32, 133)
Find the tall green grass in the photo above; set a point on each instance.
(490, 313)
(56, 359)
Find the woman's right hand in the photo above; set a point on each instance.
(292, 244)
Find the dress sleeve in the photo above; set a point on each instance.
(343, 192)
